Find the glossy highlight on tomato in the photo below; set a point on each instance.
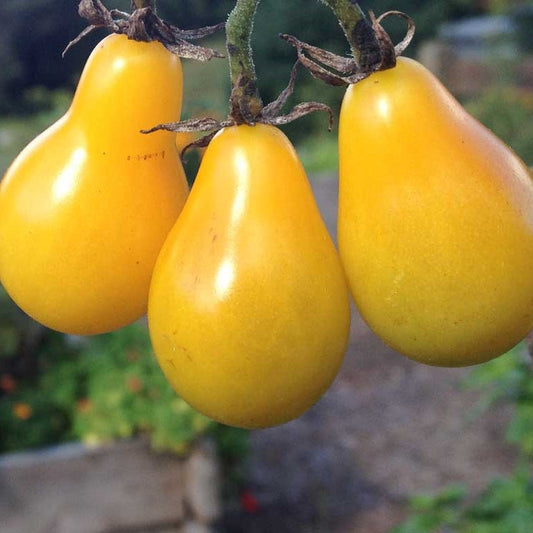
(248, 309)
(86, 206)
(435, 221)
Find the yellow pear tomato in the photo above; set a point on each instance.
(435, 221)
(86, 206)
(248, 309)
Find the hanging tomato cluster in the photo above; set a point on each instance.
(247, 298)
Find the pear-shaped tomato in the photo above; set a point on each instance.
(248, 309)
(435, 221)
(86, 206)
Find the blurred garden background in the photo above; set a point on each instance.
(56, 388)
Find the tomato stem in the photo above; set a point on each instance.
(140, 4)
(246, 106)
(359, 32)
(245, 101)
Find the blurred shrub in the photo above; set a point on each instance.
(508, 112)
(125, 393)
(16, 132)
(34, 34)
(509, 379)
(523, 18)
(38, 31)
(94, 389)
(319, 153)
(27, 418)
(506, 505)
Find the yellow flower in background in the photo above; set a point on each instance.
(22, 410)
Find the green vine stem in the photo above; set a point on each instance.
(360, 34)
(246, 106)
(245, 100)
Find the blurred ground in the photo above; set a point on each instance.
(386, 429)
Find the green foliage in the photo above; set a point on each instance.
(16, 132)
(319, 153)
(433, 512)
(507, 503)
(523, 19)
(11, 327)
(505, 506)
(100, 389)
(38, 31)
(125, 392)
(508, 112)
(206, 86)
(29, 416)
(34, 34)
(510, 379)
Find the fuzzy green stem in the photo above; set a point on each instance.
(361, 37)
(348, 12)
(245, 101)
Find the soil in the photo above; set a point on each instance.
(386, 429)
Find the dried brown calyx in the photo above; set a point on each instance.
(375, 52)
(143, 24)
(241, 113)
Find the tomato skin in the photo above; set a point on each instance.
(86, 206)
(248, 309)
(435, 222)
